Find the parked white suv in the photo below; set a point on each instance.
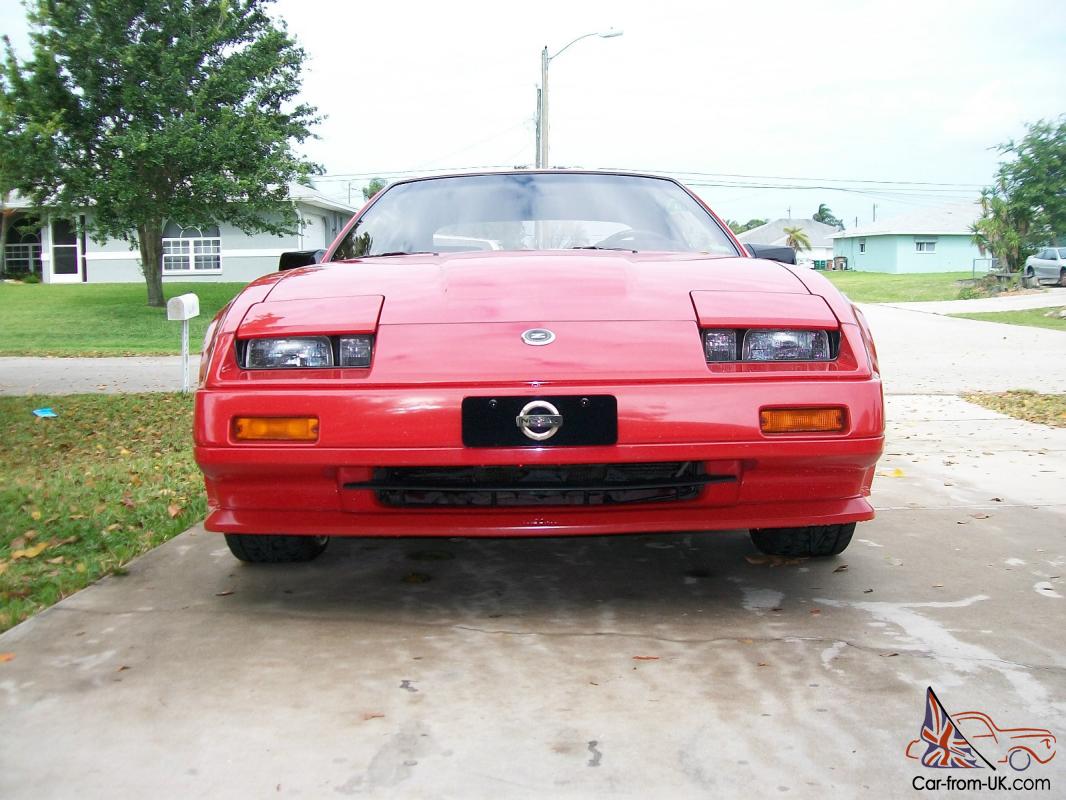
(1046, 266)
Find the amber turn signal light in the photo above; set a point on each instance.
(802, 420)
(277, 429)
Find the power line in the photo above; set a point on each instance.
(885, 193)
(343, 176)
(953, 186)
(797, 178)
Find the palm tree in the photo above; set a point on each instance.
(825, 215)
(797, 239)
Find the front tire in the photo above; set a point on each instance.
(268, 549)
(1031, 281)
(1062, 277)
(814, 540)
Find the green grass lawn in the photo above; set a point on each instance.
(100, 319)
(80, 495)
(1047, 409)
(1034, 317)
(879, 287)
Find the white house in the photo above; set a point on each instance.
(773, 233)
(60, 251)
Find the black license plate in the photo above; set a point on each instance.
(540, 421)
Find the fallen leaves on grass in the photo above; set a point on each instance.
(1045, 409)
(173, 510)
(29, 552)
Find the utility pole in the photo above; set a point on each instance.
(542, 96)
(542, 153)
(790, 212)
(539, 117)
(875, 212)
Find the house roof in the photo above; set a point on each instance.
(954, 218)
(305, 194)
(774, 232)
(14, 200)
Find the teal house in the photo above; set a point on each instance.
(925, 240)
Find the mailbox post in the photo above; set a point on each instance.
(181, 309)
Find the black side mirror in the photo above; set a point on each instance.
(786, 255)
(300, 258)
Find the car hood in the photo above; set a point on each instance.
(534, 286)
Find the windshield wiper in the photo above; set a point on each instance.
(402, 253)
(597, 247)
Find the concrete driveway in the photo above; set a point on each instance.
(642, 666)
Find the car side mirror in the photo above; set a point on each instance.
(786, 255)
(300, 258)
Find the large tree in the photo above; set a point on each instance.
(139, 112)
(372, 188)
(1025, 207)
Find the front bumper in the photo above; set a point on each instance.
(780, 481)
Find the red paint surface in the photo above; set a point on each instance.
(449, 327)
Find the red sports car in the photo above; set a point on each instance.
(546, 353)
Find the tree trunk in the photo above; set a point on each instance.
(150, 240)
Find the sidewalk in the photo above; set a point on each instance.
(91, 375)
(1046, 298)
(945, 365)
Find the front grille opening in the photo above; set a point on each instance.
(549, 485)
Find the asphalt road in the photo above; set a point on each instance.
(644, 666)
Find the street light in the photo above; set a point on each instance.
(542, 93)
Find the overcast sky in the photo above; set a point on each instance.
(859, 91)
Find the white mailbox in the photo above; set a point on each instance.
(183, 307)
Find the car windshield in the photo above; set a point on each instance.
(534, 211)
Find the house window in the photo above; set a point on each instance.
(925, 247)
(24, 255)
(862, 246)
(197, 250)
